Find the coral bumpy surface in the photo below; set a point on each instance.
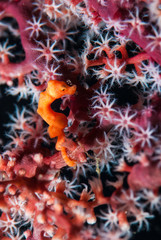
(81, 158)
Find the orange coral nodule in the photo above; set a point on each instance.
(57, 121)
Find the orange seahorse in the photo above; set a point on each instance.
(57, 121)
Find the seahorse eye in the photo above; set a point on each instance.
(63, 88)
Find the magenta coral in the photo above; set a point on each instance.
(89, 166)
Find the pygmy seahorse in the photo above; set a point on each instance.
(57, 121)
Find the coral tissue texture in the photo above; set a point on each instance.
(80, 111)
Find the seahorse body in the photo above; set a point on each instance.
(57, 121)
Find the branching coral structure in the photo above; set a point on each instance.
(80, 105)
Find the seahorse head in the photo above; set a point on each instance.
(57, 89)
